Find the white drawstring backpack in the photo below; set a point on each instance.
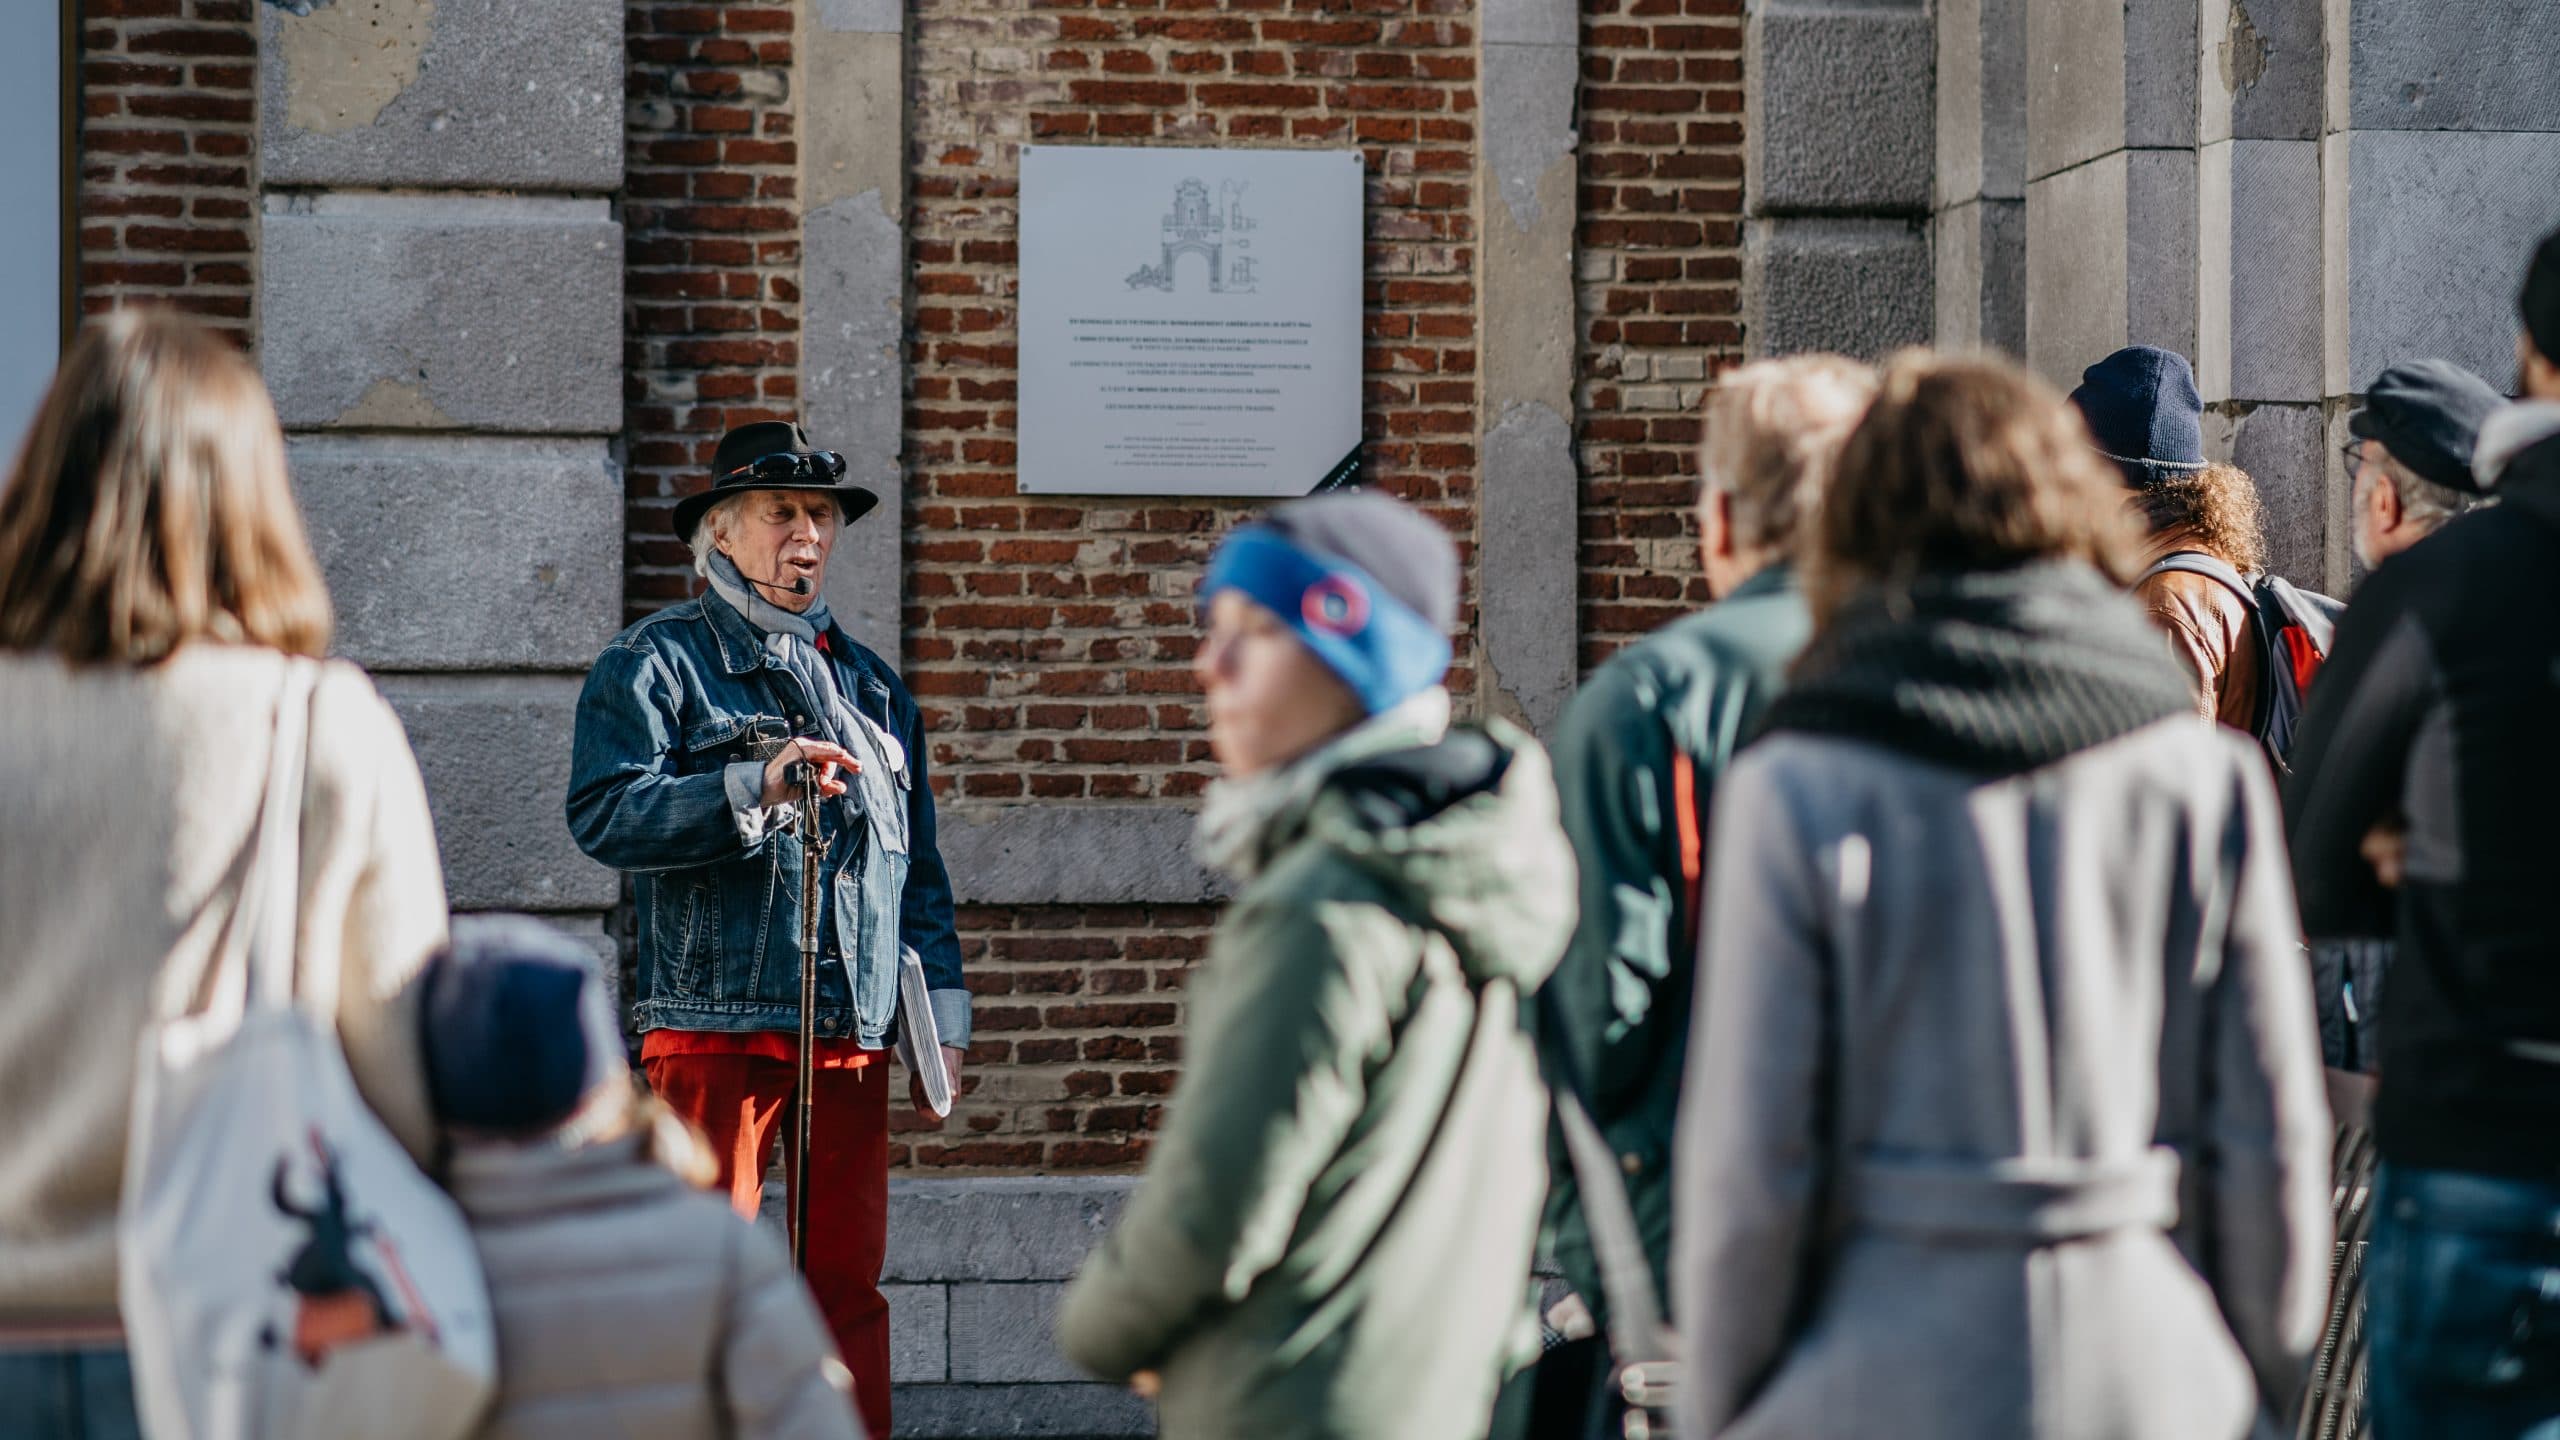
(285, 1269)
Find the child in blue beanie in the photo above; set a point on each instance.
(629, 1301)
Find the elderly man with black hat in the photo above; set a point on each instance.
(2411, 456)
(688, 733)
(2421, 805)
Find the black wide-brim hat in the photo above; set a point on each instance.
(772, 455)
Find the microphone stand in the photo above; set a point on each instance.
(812, 843)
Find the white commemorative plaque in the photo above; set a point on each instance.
(1190, 321)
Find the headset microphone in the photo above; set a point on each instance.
(798, 586)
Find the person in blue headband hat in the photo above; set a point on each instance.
(1330, 1238)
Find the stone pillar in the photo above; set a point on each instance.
(2111, 180)
(1978, 218)
(1838, 135)
(853, 277)
(2258, 206)
(2439, 167)
(1528, 515)
(441, 326)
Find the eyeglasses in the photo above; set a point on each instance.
(815, 467)
(2353, 451)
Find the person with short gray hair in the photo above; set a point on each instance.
(2411, 456)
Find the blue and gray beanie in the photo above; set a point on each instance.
(2144, 412)
(1368, 583)
(515, 1026)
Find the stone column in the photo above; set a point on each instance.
(441, 326)
(1838, 135)
(1528, 515)
(2439, 167)
(1978, 218)
(2111, 180)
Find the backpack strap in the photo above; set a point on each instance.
(1693, 844)
(2271, 651)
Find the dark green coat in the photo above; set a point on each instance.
(1620, 999)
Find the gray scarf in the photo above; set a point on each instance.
(792, 640)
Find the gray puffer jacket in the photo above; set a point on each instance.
(630, 1304)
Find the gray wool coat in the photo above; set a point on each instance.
(2003, 1115)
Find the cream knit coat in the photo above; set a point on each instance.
(127, 798)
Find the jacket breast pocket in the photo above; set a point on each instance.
(721, 740)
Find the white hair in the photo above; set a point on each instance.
(2423, 502)
(714, 523)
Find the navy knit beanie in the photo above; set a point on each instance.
(515, 1027)
(2142, 408)
(1368, 583)
(2540, 302)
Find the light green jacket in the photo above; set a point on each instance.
(1336, 1223)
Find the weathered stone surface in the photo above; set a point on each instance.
(999, 1228)
(1982, 100)
(465, 552)
(1065, 1412)
(2440, 225)
(1074, 854)
(1002, 1334)
(2281, 446)
(1840, 110)
(1525, 535)
(2262, 71)
(852, 378)
(443, 92)
(919, 1333)
(2106, 75)
(1981, 249)
(1859, 287)
(433, 313)
(2111, 260)
(2477, 65)
(2258, 222)
(1531, 22)
(495, 754)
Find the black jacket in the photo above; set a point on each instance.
(2440, 707)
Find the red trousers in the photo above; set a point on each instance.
(741, 1102)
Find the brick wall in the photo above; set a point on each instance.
(1660, 294)
(711, 280)
(167, 114)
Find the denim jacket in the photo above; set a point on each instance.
(670, 704)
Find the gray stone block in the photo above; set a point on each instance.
(495, 755)
(852, 378)
(2107, 75)
(1531, 22)
(2111, 260)
(1004, 1334)
(1982, 100)
(2259, 218)
(1062, 1412)
(1075, 854)
(2438, 230)
(1859, 287)
(2282, 447)
(999, 1228)
(1525, 533)
(2475, 65)
(2263, 71)
(1981, 279)
(384, 312)
(465, 552)
(443, 92)
(1840, 111)
(919, 1333)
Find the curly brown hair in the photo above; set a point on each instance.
(2218, 509)
(1964, 463)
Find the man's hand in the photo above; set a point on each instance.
(2386, 849)
(1147, 1384)
(951, 1058)
(829, 758)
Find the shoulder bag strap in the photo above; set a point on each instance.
(274, 885)
(1637, 1331)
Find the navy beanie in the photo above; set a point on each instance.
(2428, 414)
(1368, 583)
(2540, 302)
(2142, 408)
(514, 1027)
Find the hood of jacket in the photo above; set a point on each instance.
(1465, 832)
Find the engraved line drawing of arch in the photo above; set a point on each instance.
(1218, 234)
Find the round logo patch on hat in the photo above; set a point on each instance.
(1336, 605)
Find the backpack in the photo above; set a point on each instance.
(2296, 629)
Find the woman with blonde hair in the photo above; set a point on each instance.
(156, 589)
(2003, 1112)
